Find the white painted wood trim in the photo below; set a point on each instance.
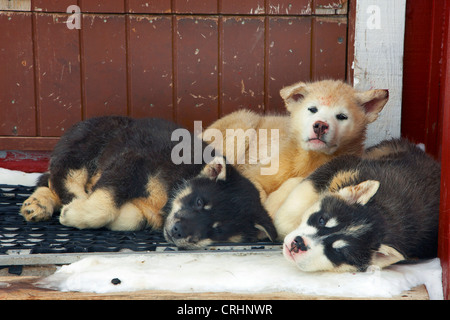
(378, 62)
(16, 5)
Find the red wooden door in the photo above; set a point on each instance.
(177, 59)
(444, 96)
(421, 107)
(426, 99)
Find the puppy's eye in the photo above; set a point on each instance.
(322, 222)
(341, 116)
(198, 204)
(313, 109)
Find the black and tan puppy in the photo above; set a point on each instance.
(355, 212)
(117, 172)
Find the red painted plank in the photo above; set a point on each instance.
(196, 74)
(289, 61)
(150, 66)
(27, 143)
(242, 81)
(58, 74)
(195, 6)
(101, 6)
(242, 7)
(52, 5)
(104, 65)
(289, 7)
(444, 215)
(17, 96)
(329, 48)
(320, 5)
(147, 6)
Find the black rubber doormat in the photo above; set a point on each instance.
(18, 237)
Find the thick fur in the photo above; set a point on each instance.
(219, 205)
(327, 119)
(116, 172)
(355, 212)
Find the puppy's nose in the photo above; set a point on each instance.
(298, 244)
(177, 231)
(320, 128)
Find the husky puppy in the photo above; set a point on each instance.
(117, 172)
(356, 212)
(218, 205)
(327, 118)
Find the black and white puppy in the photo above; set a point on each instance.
(357, 212)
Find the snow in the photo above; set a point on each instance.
(239, 273)
(13, 177)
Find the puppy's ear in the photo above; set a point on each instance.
(263, 233)
(360, 193)
(385, 256)
(265, 227)
(373, 101)
(215, 170)
(293, 93)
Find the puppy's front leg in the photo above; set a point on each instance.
(277, 198)
(289, 215)
(97, 211)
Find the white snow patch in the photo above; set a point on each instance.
(241, 273)
(14, 177)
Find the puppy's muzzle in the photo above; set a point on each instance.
(177, 232)
(298, 244)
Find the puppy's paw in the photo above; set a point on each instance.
(75, 214)
(36, 209)
(87, 213)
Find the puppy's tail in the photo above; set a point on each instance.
(43, 180)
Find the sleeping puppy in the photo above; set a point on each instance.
(121, 173)
(356, 212)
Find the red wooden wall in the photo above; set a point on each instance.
(177, 59)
